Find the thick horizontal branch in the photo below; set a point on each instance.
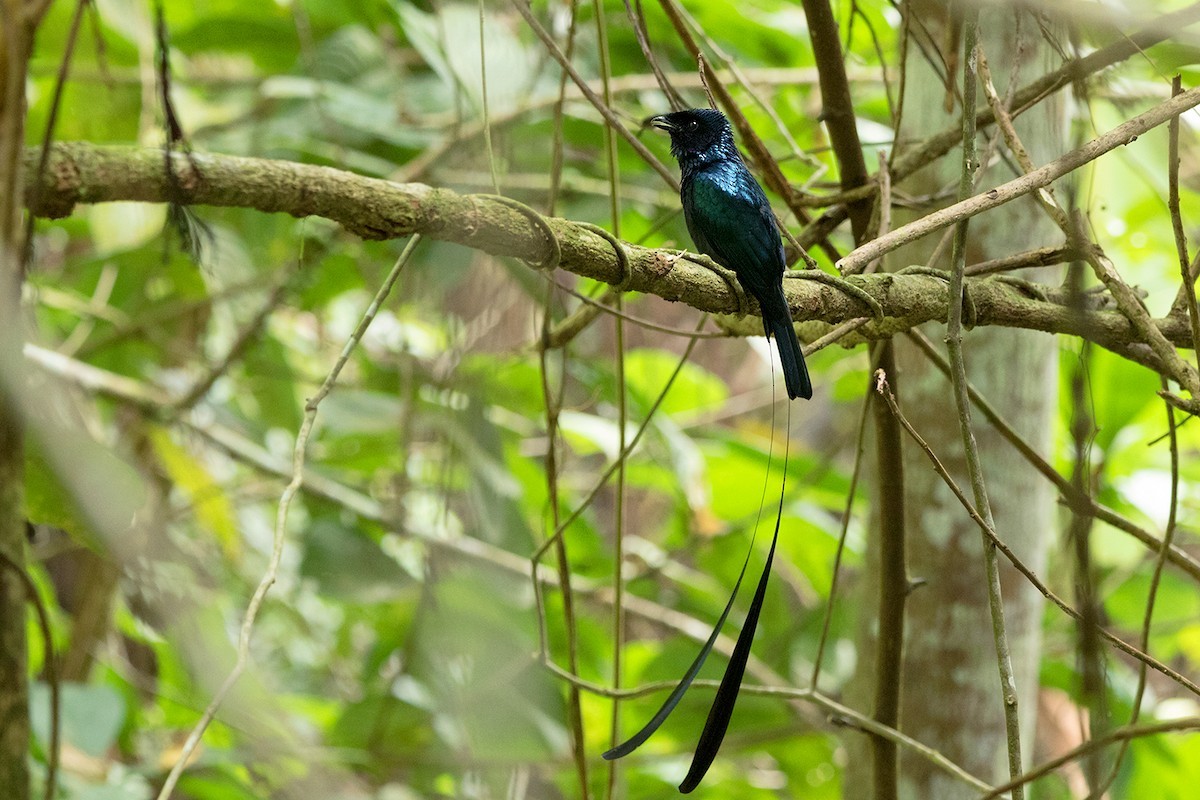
(379, 209)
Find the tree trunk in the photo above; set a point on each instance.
(18, 21)
(951, 694)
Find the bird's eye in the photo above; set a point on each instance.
(692, 124)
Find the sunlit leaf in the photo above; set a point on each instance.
(79, 485)
(209, 499)
(91, 715)
(694, 389)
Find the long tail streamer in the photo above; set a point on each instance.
(722, 708)
(727, 693)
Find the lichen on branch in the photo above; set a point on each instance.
(378, 209)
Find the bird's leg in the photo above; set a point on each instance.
(847, 286)
(727, 275)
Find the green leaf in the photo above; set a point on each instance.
(1120, 391)
(122, 226)
(359, 411)
(350, 566)
(217, 784)
(92, 716)
(74, 483)
(209, 500)
(1165, 767)
(694, 389)
(449, 43)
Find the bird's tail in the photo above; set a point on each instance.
(795, 371)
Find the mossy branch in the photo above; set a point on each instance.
(378, 209)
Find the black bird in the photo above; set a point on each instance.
(731, 221)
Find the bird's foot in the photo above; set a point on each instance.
(850, 287)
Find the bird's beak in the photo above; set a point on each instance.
(661, 122)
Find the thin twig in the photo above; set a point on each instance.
(746, 80)
(556, 153)
(958, 379)
(54, 746)
(638, 20)
(1017, 563)
(566, 330)
(1045, 197)
(637, 436)
(1115, 735)
(618, 584)
(893, 583)
(553, 404)
(1152, 594)
(847, 515)
(1075, 500)
(1188, 289)
(837, 110)
(1079, 535)
(483, 94)
(1039, 257)
(966, 208)
(838, 333)
(884, 209)
(522, 7)
(839, 715)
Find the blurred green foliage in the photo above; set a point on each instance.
(397, 656)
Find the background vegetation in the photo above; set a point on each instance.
(402, 650)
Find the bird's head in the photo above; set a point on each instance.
(697, 134)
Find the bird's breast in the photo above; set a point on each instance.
(718, 178)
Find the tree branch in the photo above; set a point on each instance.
(943, 142)
(1123, 134)
(837, 110)
(379, 209)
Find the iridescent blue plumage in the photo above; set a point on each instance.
(730, 219)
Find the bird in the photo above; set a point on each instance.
(730, 220)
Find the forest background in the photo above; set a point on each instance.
(255, 546)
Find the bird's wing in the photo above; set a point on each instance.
(730, 219)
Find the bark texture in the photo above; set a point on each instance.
(379, 209)
(950, 671)
(18, 21)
